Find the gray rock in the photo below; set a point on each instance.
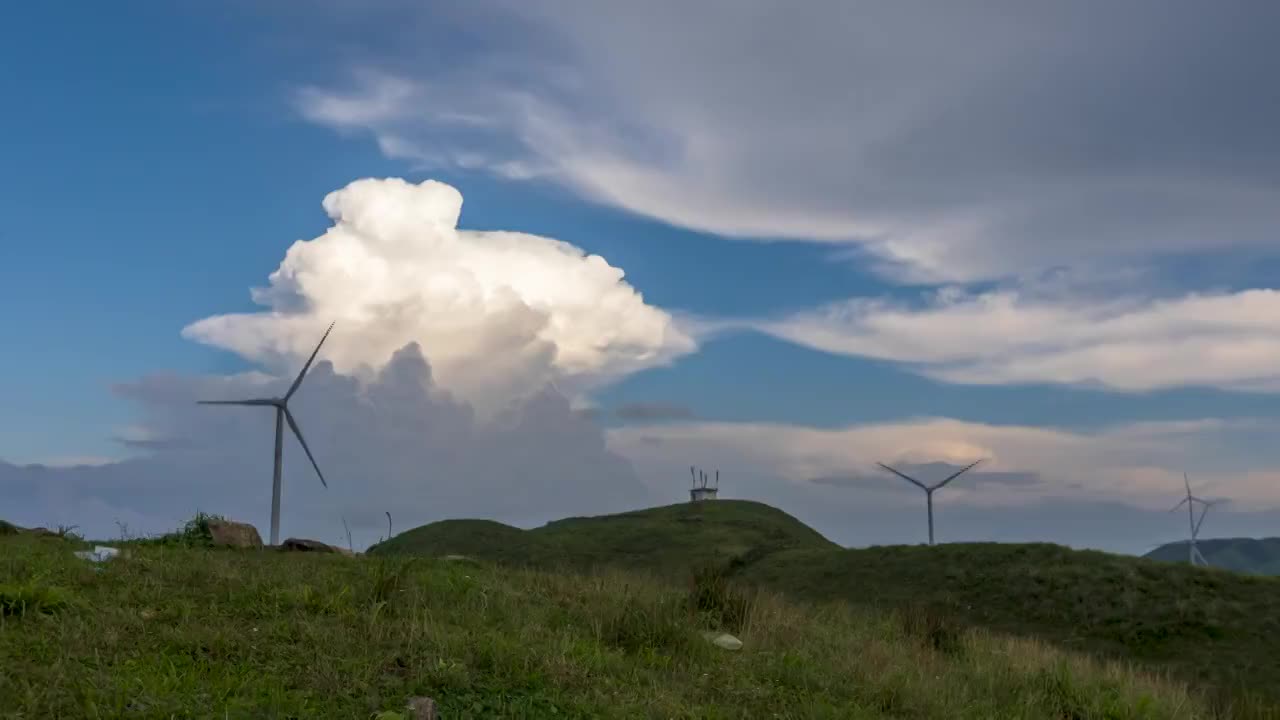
(305, 545)
(723, 640)
(228, 533)
(422, 708)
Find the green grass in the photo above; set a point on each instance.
(175, 630)
(668, 540)
(1217, 630)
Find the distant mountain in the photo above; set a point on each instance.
(1246, 555)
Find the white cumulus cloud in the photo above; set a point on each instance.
(499, 314)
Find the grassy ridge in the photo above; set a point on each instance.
(189, 632)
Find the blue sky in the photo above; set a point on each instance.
(1009, 245)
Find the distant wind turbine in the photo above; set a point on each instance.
(1193, 524)
(283, 415)
(929, 489)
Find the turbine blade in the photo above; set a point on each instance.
(958, 473)
(298, 381)
(1187, 481)
(256, 401)
(293, 425)
(1184, 502)
(908, 478)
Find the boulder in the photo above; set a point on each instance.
(228, 533)
(305, 545)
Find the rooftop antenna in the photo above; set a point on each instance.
(1194, 557)
(281, 404)
(929, 489)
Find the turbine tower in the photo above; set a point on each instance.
(281, 404)
(1193, 524)
(929, 489)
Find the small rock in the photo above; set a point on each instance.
(228, 533)
(723, 640)
(100, 553)
(457, 558)
(422, 708)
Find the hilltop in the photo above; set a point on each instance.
(1245, 555)
(167, 630)
(665, 540)
(1212, 628)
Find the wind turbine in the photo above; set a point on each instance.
(1193, 551)
(281, 404)
(929, 489)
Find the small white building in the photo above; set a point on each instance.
(699, 494)
(700, 491)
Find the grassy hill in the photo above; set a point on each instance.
(1216, 629)
(666, 540)
(173, 631)
(1246, 555)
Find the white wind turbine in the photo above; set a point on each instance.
(1193, 523)
(281, 404)
(929, 489)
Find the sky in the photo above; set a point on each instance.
(573, 248)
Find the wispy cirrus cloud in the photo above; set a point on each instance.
(1134, 463)
(955, 145)
(1011, 336)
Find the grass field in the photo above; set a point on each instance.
(1217, 630)
(191, 632)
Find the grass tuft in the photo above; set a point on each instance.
(32, 598)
